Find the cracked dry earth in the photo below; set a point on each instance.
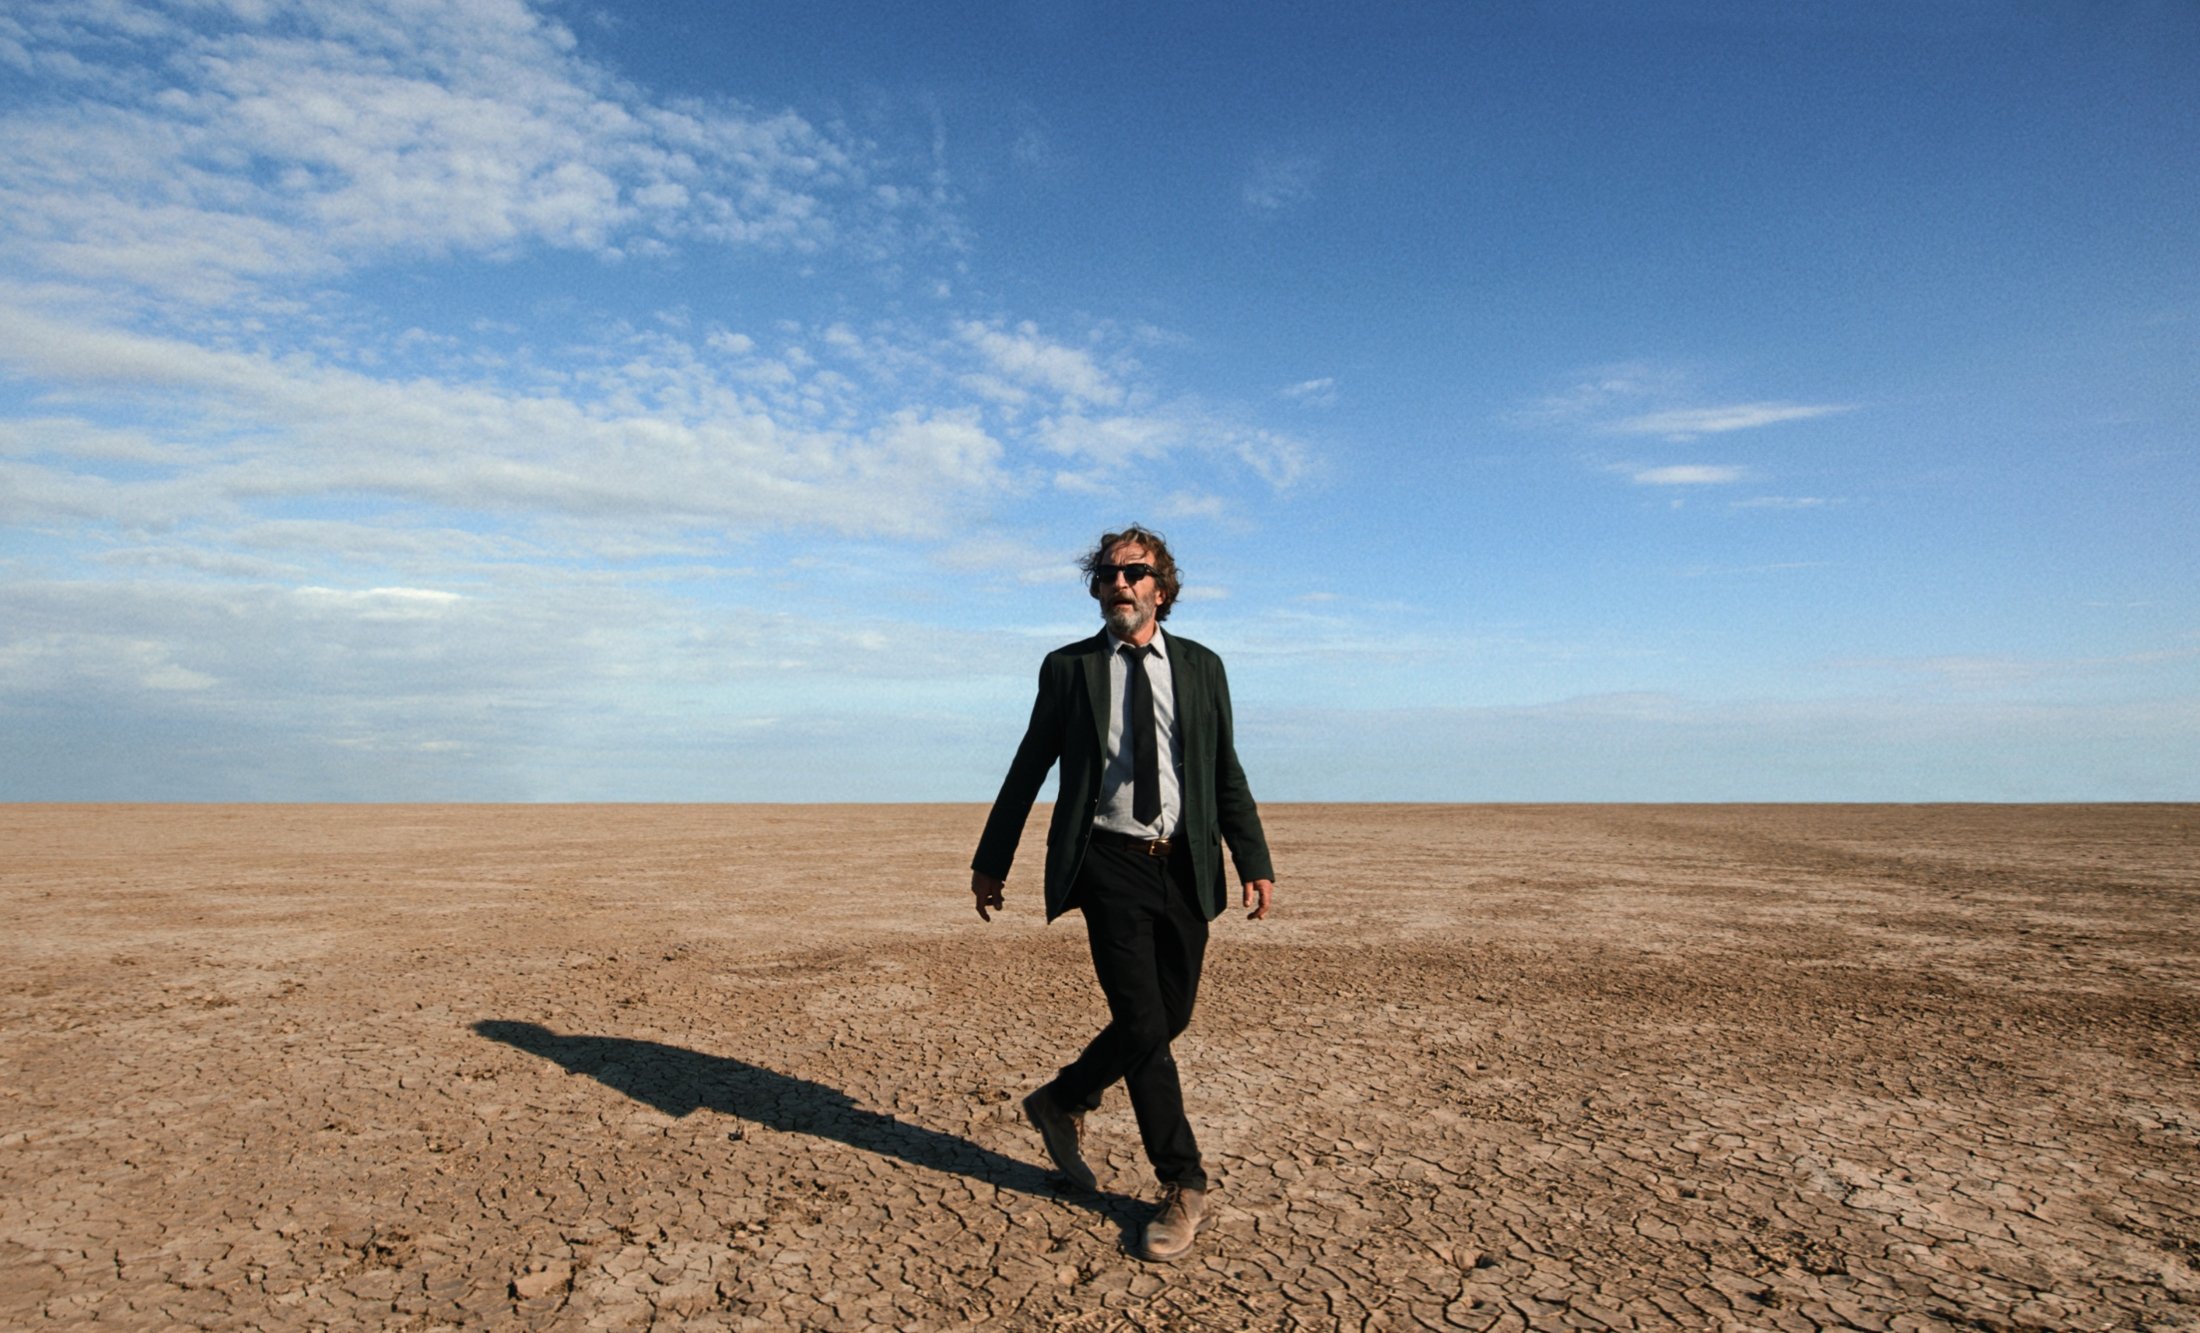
(758, 1067)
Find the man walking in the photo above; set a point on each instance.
(1150, 790)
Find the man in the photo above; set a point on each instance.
(1150, 789)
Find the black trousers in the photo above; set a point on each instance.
(1148, 940)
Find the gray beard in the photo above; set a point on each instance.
(1125, 621)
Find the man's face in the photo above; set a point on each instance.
(1128, 607)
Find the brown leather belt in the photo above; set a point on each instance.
(1150, 846)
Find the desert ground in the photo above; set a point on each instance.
(1488, 1067)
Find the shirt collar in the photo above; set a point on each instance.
(1115, 645)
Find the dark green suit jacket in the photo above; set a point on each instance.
(1069, 722)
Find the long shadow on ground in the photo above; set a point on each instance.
(678, 1081)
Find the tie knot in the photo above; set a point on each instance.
(1136, 653)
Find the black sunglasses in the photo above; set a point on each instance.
(1103, 576)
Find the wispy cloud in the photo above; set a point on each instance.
(1723, 571)
(1644, 398)
(1660, 747)
(1638, 398)
(206, 152)
(318, 479)
(1001, 556)
(1277, 181)
(1189, 504)
(1686, 474)
(234, 158)
(1686, 423)
(261, 691)
(673, 440)
(1785, 502)
(385, 601)
(1594, 394)
(1990, 672)
(1113, 442)
(1021, 354)
(1311, 393)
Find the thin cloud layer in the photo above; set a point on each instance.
(1107, 446)
(1277, 181)
(1688, 422)
(501, 399)
(1785, 502)
(1644, 398)
(1022, 356)
(1612, 401)
(680, 449)
(285, 488)
(226, 156)
(1686, 474)
(204, 153)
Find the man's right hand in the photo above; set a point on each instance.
(988, 890)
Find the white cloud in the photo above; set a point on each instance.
(1277, 459)
(1596, 392)
(1008, 557)
(232, 155)
(1112, 443)
(536, 683)
(205, 153)
(994, 390)
(1312, 393)
(1186, 504)
(380, 603)
(175, 558)
(1686, 474)
(1612, 400)
(670, 439)
(357, 543)
(75, 437)
(1022, 355)
(1687, 423)
(326, 490)
(89, 662)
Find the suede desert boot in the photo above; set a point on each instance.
(1060, 1130)
(1170, 1233)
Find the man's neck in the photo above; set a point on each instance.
(1140, 639)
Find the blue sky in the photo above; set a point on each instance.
(492, 401)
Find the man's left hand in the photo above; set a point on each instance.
(1258, 894)
(989, 891)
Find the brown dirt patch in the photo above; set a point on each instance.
(1491, 1067)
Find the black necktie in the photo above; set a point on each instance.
(1145, 754)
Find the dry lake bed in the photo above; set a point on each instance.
(1489, 1067)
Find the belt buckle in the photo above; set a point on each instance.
(1157, 847)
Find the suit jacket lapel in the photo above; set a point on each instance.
(1184, 682)
(1096, 686)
